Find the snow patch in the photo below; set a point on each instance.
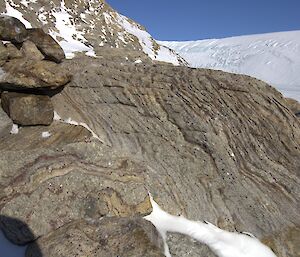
(138, 61)
(46, 134)
(15, 129)
(221, 242)
(147, 43)
(73, 40)
(26, 2)
(15, 13)
(57, 117)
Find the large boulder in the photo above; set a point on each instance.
(46, 44)
(25, 109)
(11, 29)
(31, 74)
(131, 237)
(30, 51)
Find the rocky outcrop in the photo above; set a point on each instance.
(46, 44)
(11, 29)
(26, 109)
(91, 27)
(107, 237)
(207, 144)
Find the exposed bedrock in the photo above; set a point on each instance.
(107, 237)
(207, 144)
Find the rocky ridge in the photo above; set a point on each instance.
(89, 26)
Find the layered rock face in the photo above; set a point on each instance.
(207, 144)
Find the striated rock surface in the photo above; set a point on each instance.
(107, 237)
(27, 109)
(207, 144)
(46, 44)
(11, 29)
(28, 74)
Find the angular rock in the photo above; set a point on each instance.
(13, 51)
(46, 44)
(131, 237)
(25, 109)
(11, 29)
(30, 51)
(30, 74)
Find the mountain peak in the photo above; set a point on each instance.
(88, 26)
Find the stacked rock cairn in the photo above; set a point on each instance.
(30, 72)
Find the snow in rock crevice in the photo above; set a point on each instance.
(221, 242)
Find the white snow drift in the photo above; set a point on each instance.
(221, 242)
(272, 57)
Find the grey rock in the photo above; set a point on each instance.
(26, 109)
(46, 44)
(11, 29)
(132, 237)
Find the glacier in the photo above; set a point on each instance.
(271, 57)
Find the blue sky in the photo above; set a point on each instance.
(196, 19)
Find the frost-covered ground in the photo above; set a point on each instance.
(272, 57)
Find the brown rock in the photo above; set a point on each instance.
(130, 237)
(3, 53)
(13, 51)
(25, 109)
(11, 29)
(46, 44)
(29, 74)
(30, 51)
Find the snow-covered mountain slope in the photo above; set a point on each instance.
(273, 57)
(87, 26)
